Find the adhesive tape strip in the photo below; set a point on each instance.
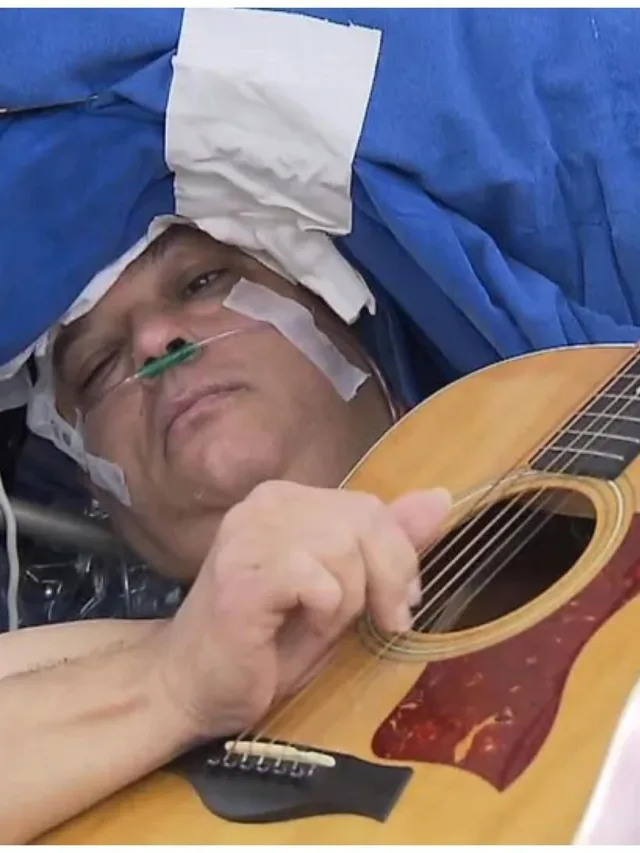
(296, 324)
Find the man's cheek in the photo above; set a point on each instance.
(114, 446)
(95, 443)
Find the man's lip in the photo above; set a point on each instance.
(179, 407)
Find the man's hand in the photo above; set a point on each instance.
(291, 568)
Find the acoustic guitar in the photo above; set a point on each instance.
(488, 723)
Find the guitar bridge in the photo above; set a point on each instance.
(270, 757)
(257, 781)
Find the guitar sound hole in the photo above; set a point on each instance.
(501, 557)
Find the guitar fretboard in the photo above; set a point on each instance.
(604, 437)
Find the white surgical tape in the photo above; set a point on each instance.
(296, 324)
(44, 420)
(263, 120)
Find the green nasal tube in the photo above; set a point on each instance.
(159, 365)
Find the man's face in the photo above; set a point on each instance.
(196, 439)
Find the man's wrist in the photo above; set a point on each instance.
(178, 728)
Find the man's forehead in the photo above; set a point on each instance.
(171, 242)
(159, 255)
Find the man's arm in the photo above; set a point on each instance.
(80, 718)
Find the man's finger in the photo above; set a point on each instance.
(317, 590)
(392, 565)
(420, 514)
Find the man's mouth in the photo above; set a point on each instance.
(178, 411)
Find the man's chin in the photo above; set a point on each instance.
(222, 471)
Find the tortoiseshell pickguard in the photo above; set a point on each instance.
(491, 711)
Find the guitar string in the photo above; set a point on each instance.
(450, 618)
(523, 511)
(617, 374)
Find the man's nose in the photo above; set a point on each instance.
(156, 334)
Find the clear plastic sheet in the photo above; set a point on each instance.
(59, 585)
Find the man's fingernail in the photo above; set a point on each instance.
(415, 592)
(404, 619)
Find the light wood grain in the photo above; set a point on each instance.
(463, 438)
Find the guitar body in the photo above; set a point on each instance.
(504, 724)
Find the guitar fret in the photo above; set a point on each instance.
(635, 397)
(629, 374)
(556, 448)
(605, 435)
(610, 415)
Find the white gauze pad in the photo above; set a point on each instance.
(296, 324)
(43, 420)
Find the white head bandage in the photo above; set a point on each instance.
(44, 420)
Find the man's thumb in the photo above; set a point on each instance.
(420, 514)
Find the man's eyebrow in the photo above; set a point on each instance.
(165, 244)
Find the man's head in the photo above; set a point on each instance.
(194, 440)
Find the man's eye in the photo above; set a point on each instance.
(98, 371)
(209, 283)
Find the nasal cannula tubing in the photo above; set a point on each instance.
(154, 367)
(178, 355)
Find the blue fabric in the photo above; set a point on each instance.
(79, 183)
(496, 186)
(497, 183)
